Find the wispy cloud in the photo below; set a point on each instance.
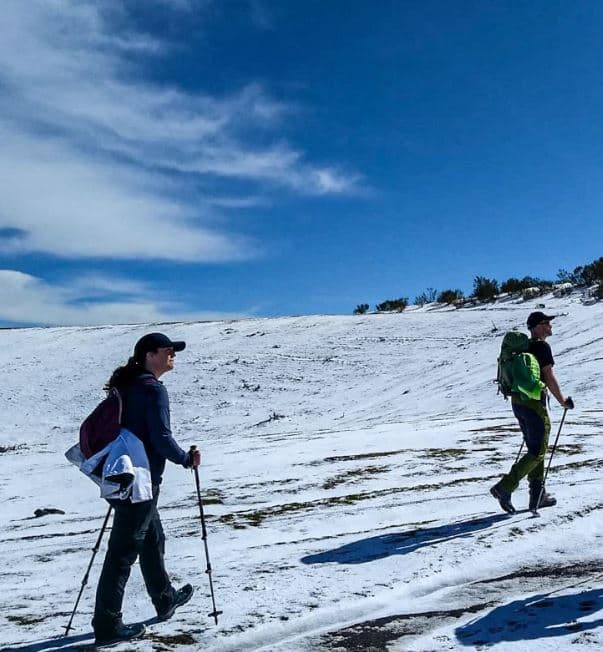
(26, 299)
(75, 208)
(91, 152)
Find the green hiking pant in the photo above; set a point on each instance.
(535, 425)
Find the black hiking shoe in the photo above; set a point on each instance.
(181, 596)
(503, 497)
(546, 500)
(118, 635)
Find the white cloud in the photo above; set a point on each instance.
(88, 301)
(74, 208)
(88, 147)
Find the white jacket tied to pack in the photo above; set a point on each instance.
(121, 468)
(111, 455)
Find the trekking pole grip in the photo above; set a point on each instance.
(191, 451)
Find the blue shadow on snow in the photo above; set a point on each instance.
(536, 617)
(70, 643)
(402, 543)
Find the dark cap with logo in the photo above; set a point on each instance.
(154, 341)
(535, 318)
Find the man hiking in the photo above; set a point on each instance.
(137, 530)
(534, 422)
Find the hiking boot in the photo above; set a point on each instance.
(118, 634)
(181, 596)
(546, 500)
(503, 497)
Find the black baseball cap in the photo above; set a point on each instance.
(154, 341)
(535, 318)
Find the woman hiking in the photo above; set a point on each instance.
(137, 529)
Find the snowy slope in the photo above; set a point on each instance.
(346, 468)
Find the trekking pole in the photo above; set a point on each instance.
(518, 453)
(215, 613)
(551, 458)
(85, 580)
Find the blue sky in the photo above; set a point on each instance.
(196, 159)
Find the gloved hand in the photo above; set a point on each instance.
(569, 403)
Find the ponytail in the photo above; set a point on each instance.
(125, 375)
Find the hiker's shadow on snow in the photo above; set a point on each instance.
(79, 642)
(536, 617)
(62, 643)
(402, 543)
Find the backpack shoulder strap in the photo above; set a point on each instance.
(115, 392)
(148, 379)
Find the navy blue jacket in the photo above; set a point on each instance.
(146, 413)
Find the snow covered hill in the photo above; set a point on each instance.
(346, 468)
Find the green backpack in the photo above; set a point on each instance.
(518, 370)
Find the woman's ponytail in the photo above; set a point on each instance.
(125, 375)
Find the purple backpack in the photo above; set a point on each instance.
(102, 425)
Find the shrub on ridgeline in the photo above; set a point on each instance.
(514, 285)
(583, 274)
(593, 272)
(484, 289)
(392, 305)
(450, 296)
(487, 289)
(575, 278)
(429, 296)
(593, 275)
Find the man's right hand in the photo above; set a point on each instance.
(568, 404)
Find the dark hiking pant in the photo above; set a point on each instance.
(535, 425)
(136, 532)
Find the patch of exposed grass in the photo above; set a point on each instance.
(360, 456)
(378, 634)
(53, 535)
(208, 497)
(579, 569)
(13, 448)
(256, 517)
(26, 620)
(268, 483)
(593, 463)
(43, 558)
(585, 422)
(583, 512)
(353, 475)
(570, 449)
(212, 497)
(172, 640)
(498, 428)
(444, 453)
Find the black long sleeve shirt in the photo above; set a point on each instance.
(146, 413)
